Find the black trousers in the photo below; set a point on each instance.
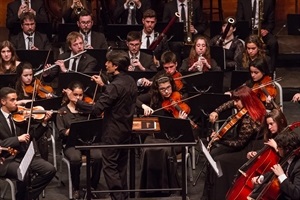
(42, 173)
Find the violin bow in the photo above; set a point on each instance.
(188, 75)
(95, 92)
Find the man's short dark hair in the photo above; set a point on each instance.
(85, 12)
(119, 58)
(134, 35)
(168, 57)
(5, 91)
(149, 13)
(27, 16)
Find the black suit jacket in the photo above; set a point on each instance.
(244, 13)
(40, 41)
(199, 18)
(12, 12)
(98, 40)
(9, 140)
(121, 15)
(87, 64)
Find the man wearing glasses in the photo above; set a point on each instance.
(29, 39)
(139, 61)
(92, 39)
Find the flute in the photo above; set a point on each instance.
(52, 66)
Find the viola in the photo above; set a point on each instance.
(174, 105)
(38, 113)
(264, 92)
(41, 90)
(177, 76)
(10, 150)
(231, 121)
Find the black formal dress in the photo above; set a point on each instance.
(42, 170)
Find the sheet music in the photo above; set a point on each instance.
(215, 165)
(23, 167)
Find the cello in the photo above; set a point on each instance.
(259, 164)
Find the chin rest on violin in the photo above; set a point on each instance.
(38, 113)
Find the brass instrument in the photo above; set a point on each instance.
(132, 12)
(27, 4)
(260, 18)
(131, 5)
(189, 35)
(78, 7)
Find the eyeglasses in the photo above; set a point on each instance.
(85, 23)
(168, 88)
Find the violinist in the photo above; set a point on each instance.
(287, 174)
(25, 84)
(230, 149)
(9, 59)
(162, 91)
(261, 82)
(169, 63)
(199, 59)
(15, 136)
(63, 123)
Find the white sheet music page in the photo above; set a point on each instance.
(215, 165)
(23, 167)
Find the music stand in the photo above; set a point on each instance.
(175, 130)
(121, 30)
(8, 80)
(238, 78)
(86, 131)
(64, 79)
(293, 24)
(175, 33)
(45, 28)
(218, 54)
(47, 104)
(100, 56)
(37, 58)
(203, 81)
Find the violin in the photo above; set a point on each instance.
(177, 76)
(10, 150)
(231, 121)
(38, 113)
(41, 90)
(263, 92)
(174, 105)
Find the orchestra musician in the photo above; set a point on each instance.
(9, 59)
(117, 101)
(199, 58)
(63, 123)
(287, 174)
(231, 149)
(162, 93)
(15, 136)
(233, 45)
(72, 8)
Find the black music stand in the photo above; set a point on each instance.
(47, 104)
(175, 130)
(120, 31)
(64, 79)
(86, 131)
(202, 81)
(37, 58)
(293, 24)
(176, 32)
(8, 80)
(100, 56)
(218, 54)
(238, 78)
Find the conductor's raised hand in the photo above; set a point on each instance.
(213, 117)
(70, 95)
(98, 80)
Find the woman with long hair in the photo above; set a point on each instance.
(9, 59)
(199, 58)
(230, 149)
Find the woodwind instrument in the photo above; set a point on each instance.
(260, 18)
(189, 35)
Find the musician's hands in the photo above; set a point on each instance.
(296, 97)
(251, 154)
(277, 169)
(135, 63)
(76, 4)
(147, 110)
(205, 62)
(182, 115)
(257, 180)
(197, 66)
(214, 136)
(47, 117)
(144, 82)
(272, 143)
(213, 117)
(34, 48)
(61, 65)
(269, 99)
(264, 32)
(24, 138)
(67, 132)
(98, 80)
(70, 95)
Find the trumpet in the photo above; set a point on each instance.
(27, 4)
(131, 5)
(200, 65)
(78, 7)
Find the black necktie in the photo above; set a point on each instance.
(254, 9)
(74, 65)
(183, 13)
(148, 41)
(30, 44)
(12, 126)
